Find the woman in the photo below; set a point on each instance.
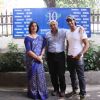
(35, 47)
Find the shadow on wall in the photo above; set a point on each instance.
(5, 40)
(95, 38)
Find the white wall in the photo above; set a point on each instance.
(5, 40)
(10, 4)
(96, 39)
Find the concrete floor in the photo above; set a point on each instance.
(93, 93)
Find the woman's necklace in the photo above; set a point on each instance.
(33, 35)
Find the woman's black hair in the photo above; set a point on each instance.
(31, 25)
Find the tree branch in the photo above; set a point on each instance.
(50, 3)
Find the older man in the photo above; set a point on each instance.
(56, 57)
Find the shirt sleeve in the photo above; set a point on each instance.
(44, 42)
(84, 35)
(67, 32)
(27, 43)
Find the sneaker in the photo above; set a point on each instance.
(71, 94)
(55, 93)
(74, 92)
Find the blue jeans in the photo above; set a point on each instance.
(76, 67)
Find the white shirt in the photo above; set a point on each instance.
(75, 41)
(56, 43)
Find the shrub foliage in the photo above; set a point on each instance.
(13, 60)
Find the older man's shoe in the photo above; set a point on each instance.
(62, 94)
(55, 93)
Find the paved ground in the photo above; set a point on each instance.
(93, 93)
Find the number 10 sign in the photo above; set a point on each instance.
(23, 16)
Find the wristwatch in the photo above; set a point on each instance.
(80, 54)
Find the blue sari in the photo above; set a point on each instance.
(37, 88)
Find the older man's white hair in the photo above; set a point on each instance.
(53, 21)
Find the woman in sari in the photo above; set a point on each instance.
(35, 47)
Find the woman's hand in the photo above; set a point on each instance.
(39, 58)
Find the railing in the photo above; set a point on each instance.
(95, 21)
(6, 23)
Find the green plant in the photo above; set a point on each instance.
(13, 47)
(92, 57)
(97, 59)
(13, 60)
